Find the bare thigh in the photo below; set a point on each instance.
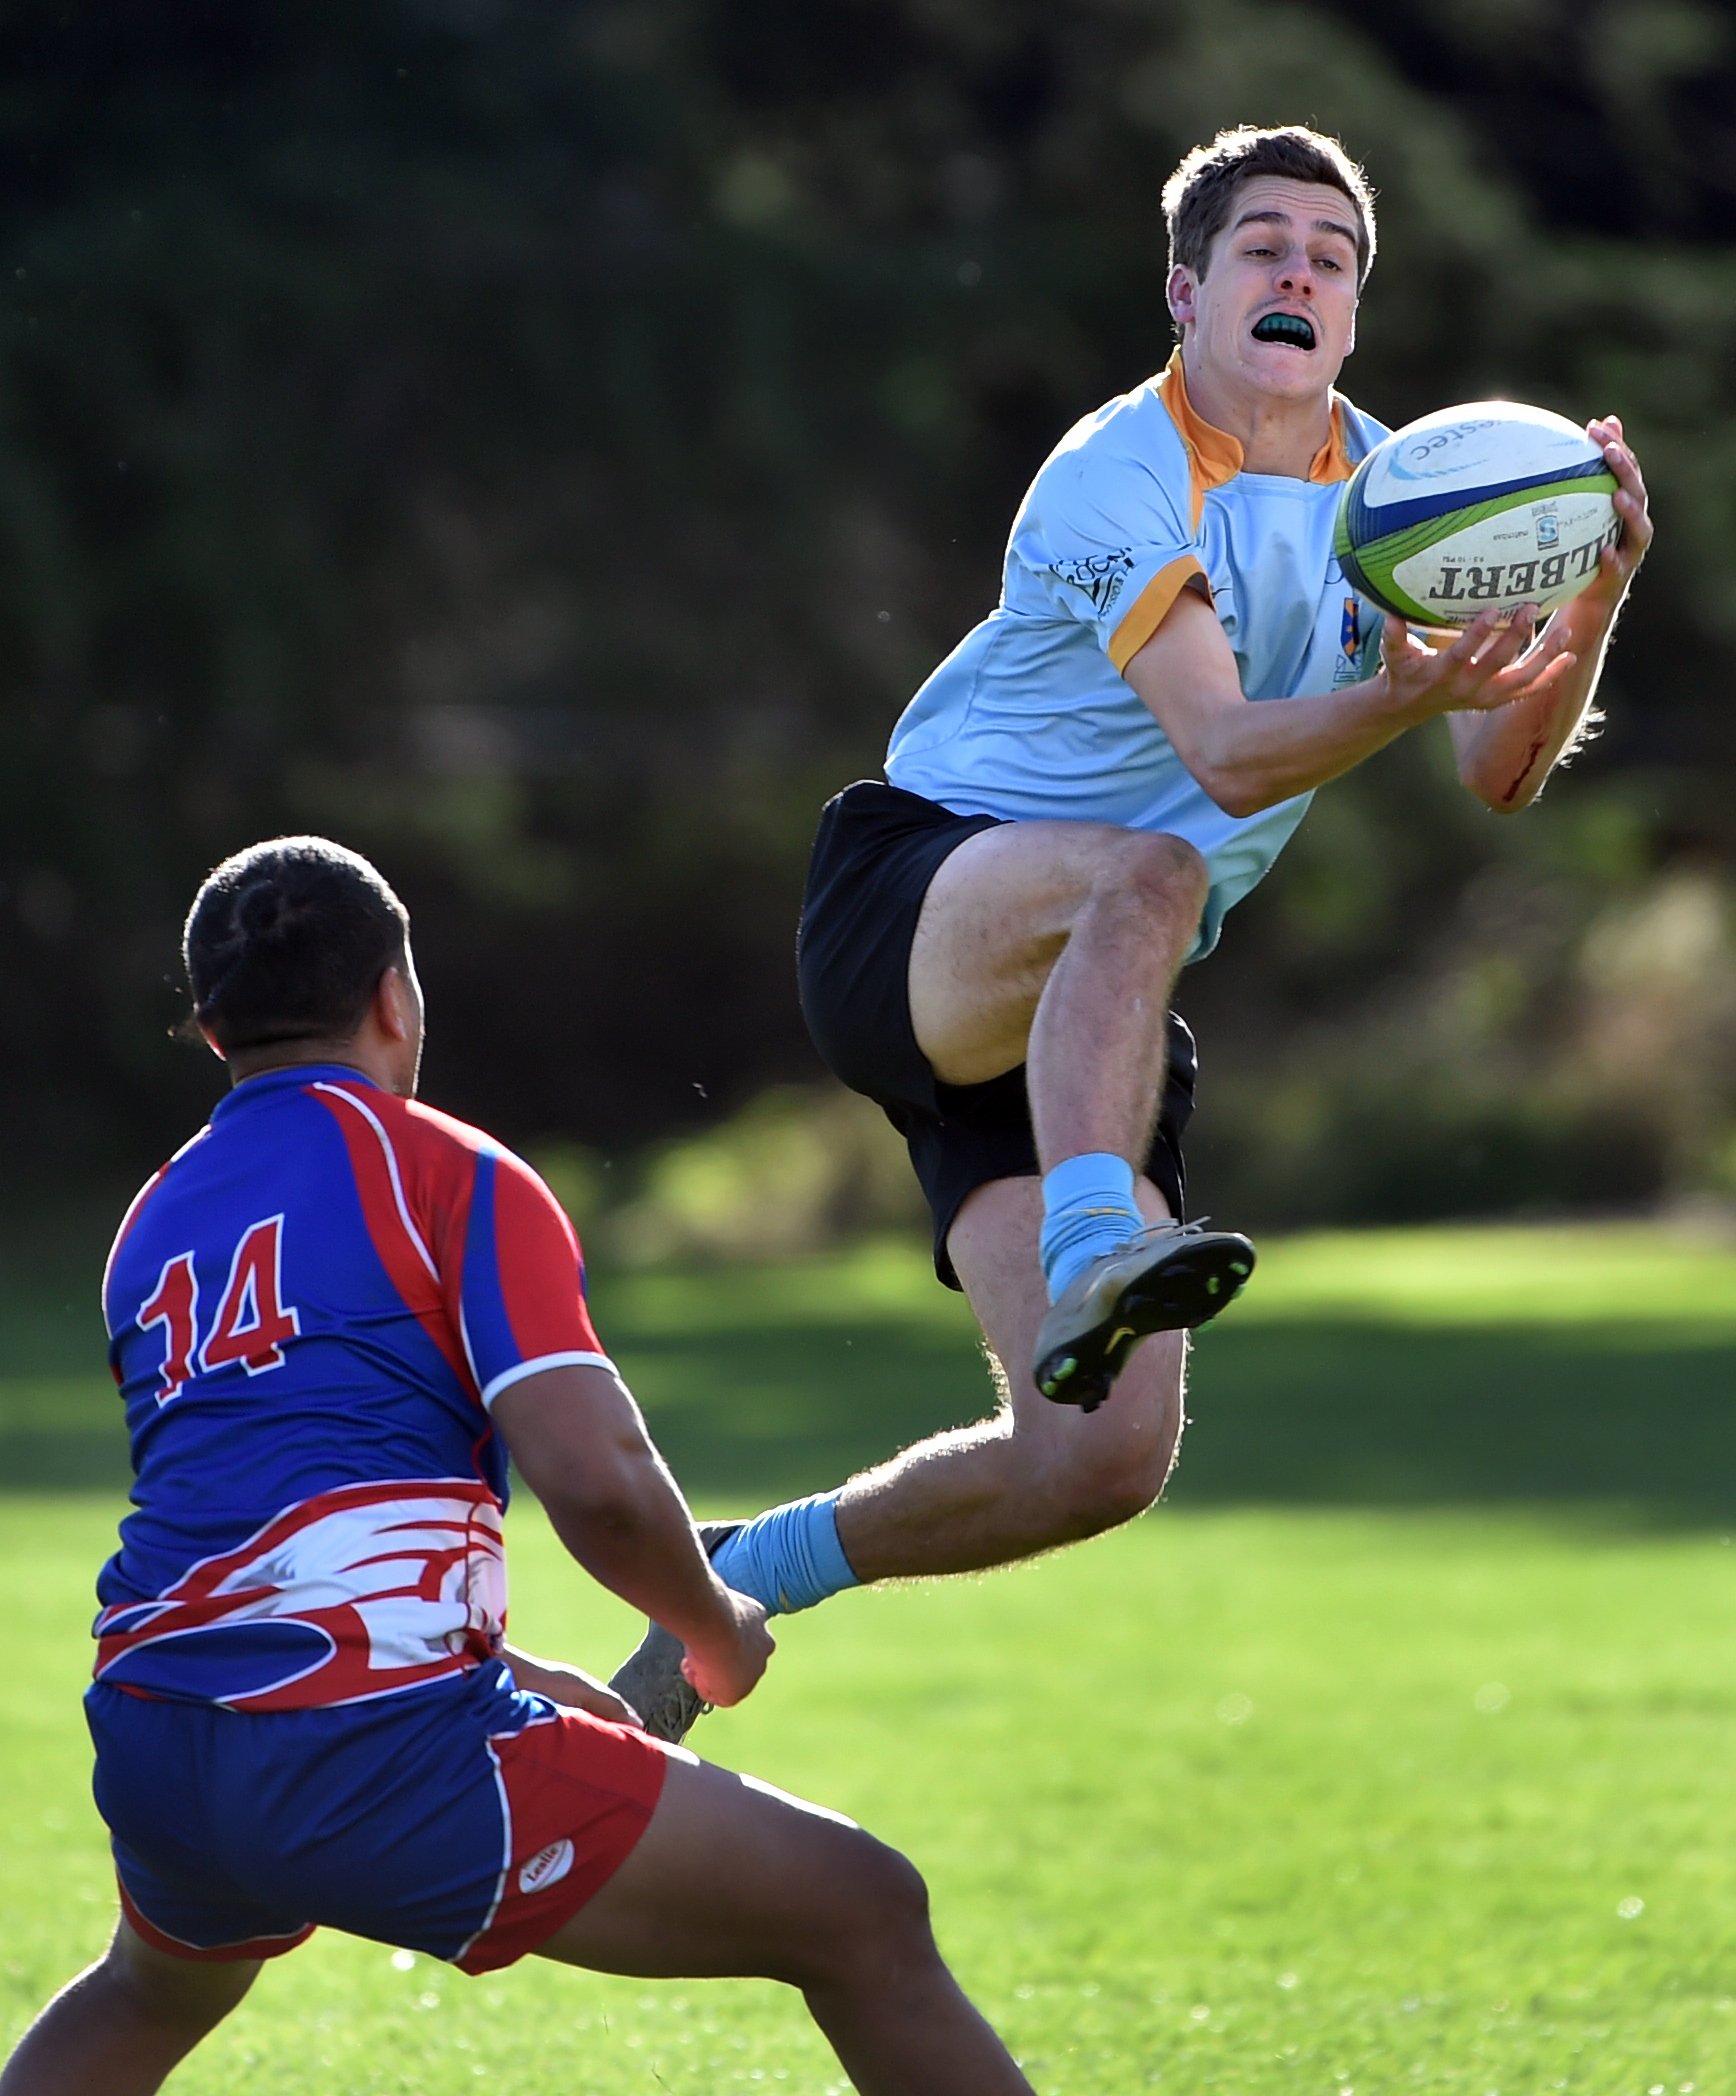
(732, 1878)
(195, 1991)
(997, 917)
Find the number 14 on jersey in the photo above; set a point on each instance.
(252, 1320)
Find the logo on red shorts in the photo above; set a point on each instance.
(547, 1867)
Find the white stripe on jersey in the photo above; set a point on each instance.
(508, 1376)
(337, 1091)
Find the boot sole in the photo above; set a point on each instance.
(1185, 1289)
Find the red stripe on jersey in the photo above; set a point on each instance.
(534, 1261)
(398, 1236)
(439, 1610)
(540, 1268)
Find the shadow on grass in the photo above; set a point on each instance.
(1322, 1413)
(62, 1434)
(758, 1391)
(1348, 1413)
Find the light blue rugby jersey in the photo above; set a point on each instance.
(1030, 717)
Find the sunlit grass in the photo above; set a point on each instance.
(1319, 1779)
(1672, 1283)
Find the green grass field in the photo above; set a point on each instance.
(1392, 1754)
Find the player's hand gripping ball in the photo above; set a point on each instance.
(1488, 505)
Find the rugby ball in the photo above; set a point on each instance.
(1488, 504)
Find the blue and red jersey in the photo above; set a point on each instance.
(311, 1309)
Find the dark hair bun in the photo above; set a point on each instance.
(262, 912)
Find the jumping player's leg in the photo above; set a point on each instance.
(122, 2026)
(1052, 944)
(734, 1879)
(1033, 1475)
(1057, 944)
(1028, 1478)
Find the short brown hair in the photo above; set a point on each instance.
(1197, 197)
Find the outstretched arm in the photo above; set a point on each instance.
(1504, 758)
(580, 1444)
(1251, 754)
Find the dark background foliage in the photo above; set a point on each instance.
(544, 446)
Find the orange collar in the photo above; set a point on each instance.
(1215, 456)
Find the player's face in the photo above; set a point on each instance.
(1275, 311)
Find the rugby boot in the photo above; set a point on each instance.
(651, 1679)
(1169, 1278)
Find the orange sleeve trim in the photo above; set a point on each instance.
(1151, 607)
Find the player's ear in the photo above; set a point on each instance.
(395, 1007)
(210, 1040)
(1183, 295)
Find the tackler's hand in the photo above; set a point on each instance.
(725, 1670)
(573, 1687)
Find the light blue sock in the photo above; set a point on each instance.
(789, 1557)
(1088, 1209)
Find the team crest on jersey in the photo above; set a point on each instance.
(1100, 577)
(1349, 643)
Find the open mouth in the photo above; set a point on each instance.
(1288, 328)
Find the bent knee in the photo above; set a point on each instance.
(877, 1917)
(888, 1893)
(1104, 1472)
(1160, 872)
(1076, 1490)
(1103, 1495)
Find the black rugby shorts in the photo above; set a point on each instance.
(876, 852)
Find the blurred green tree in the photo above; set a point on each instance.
(545, 447)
